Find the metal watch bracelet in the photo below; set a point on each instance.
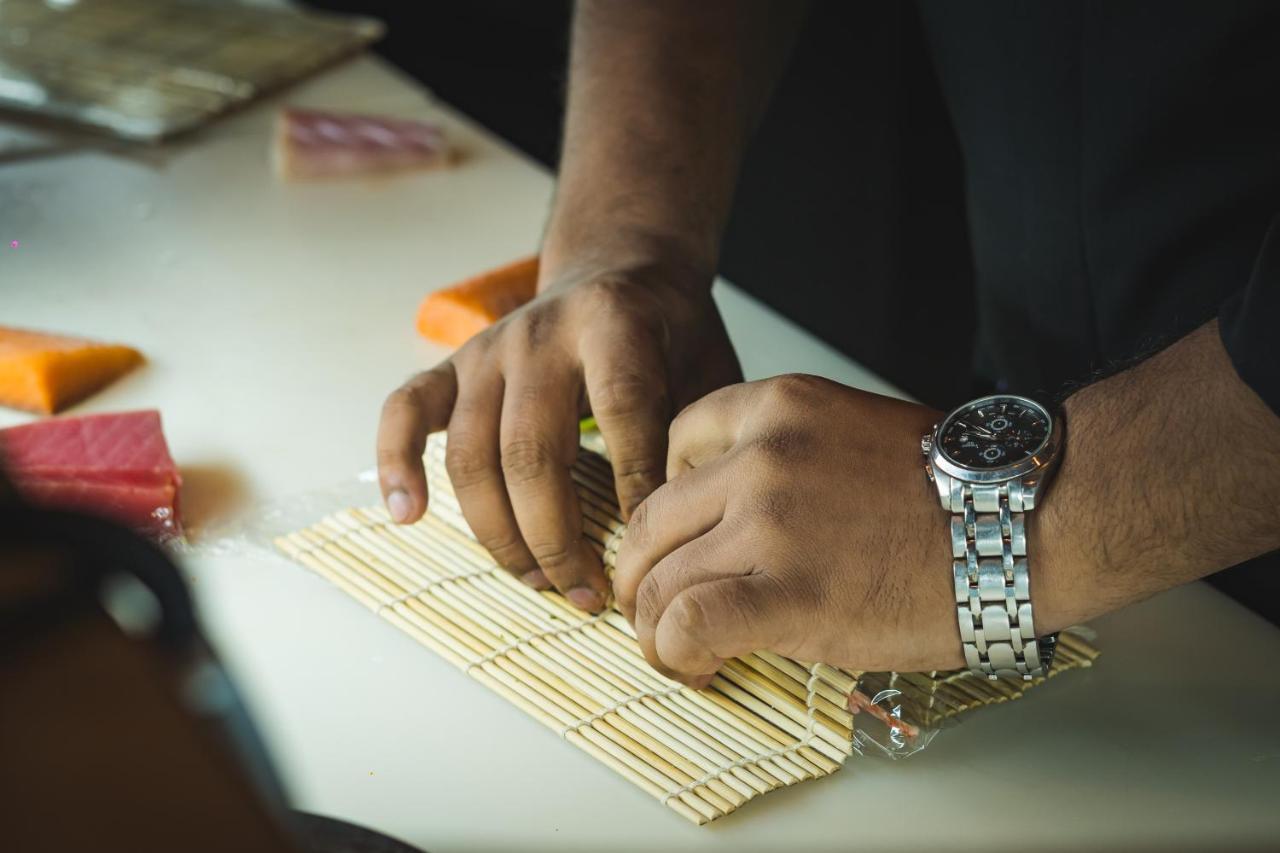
(992, 585)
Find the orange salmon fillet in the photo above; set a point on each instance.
(45, 373)
(453, 315)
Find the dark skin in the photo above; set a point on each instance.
(790, 514)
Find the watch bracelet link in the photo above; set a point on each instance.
(992, 583)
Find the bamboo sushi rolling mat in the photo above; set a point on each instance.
(764, 722)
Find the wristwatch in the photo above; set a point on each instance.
(991, 461)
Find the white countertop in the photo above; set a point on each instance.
(276, 318)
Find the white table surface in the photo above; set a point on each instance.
(277, 317)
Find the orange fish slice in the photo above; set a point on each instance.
(451, 316)
(45, 373)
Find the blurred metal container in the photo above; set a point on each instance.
(147, 69)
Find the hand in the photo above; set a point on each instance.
(797, 519)
(630, 346)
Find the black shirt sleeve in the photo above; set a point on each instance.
(1249, 322)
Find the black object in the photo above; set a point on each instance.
(87, 554)
(318, 834)
(98, 549)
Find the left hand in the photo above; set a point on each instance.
(796, 518)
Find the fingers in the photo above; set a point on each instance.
(475, 469)
(707, 559)
(539, 442)
(707, 624)
(677, 513)
(420, 406)
(627, 387)
(708, 428)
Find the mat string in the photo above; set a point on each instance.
(780, 752)
(417, 591)
(550, 632)
(621, 703)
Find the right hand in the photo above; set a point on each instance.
(630, 346)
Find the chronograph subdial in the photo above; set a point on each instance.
(994, 432)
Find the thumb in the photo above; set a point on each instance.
(711, 622)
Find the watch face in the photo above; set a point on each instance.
(994, 432)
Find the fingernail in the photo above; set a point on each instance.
(399, 505)
(584, 598)
(536, 579)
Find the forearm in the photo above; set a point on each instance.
(662, 98)
(1171, 472)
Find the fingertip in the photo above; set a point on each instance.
(536, 579)
(401, 507)
(581, 579)
(585, 598)
(700, 682)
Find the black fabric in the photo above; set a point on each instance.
(1247, 323)
(1123, 164)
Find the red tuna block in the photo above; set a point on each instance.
(147, 509)
(115, 465)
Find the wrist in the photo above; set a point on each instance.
(1068, 578)
(578, 247)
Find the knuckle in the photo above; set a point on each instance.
(400, 399)
(535, 325)
(465, 462)
(796, 388)
(776, 444)
(790, 592)
(649, 601)
(507, 548)
(637, 473)
(775, 507)
(478, 350)
(553, 556)
(640, 525)
(780, 448)
(628, 394)
(688, 615)
(681, 421)
(607, 295)
(521, 327)
(525, 459)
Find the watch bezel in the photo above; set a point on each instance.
(1039, 459)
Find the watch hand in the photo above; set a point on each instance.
(983, 431)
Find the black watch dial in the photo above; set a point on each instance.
(994, 432)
